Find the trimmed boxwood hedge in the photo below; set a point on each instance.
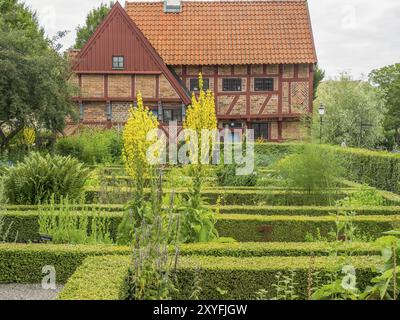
(379, 169)
(98, 272)
(307, 210)
(254, 228)
(24, 225)
(98, 278)
(235, 196)
(376, 168)
(238, 209)
(241, 278)
(246, 228)
(283, 249)
(23, 263)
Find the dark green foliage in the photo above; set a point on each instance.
(93, 20)
(40, 178)
(92, 146)
(33, 77)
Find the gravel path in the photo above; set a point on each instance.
(27, 292)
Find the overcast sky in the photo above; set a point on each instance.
(350, 35)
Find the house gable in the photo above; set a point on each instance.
(119, 36)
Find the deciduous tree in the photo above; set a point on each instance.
(354, 112)
(33, 76)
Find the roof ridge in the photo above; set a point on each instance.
(153, 2)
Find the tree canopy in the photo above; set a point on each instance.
(33, 76)
(93, 20)
(354, 112)
(388, 81)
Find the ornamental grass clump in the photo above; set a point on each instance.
(39, 178)
(313, 169)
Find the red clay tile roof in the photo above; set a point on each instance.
(228, 32)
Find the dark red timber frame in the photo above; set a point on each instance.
(248, 118)
(148, 63)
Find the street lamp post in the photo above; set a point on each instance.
(321, 111)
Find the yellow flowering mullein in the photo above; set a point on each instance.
(141, 121)
(201, 114)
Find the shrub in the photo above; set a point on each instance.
(92, 146)
(39, 178)
(312, 169)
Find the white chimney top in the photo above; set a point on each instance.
(172, 6)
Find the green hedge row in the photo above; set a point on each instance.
(255, 228)
(232, 196)
(104, 268)
(282, 249)
(98, 278)
(23, 263)
(377, 169)
(306, 210)
(241, 278)
(245, 228)
(24, 226)
(238, 209)
(103, 278)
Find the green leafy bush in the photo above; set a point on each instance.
(39, 178)
(92, 146)
(313, 169)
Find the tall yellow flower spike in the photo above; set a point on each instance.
(201, 114)
(141, 121)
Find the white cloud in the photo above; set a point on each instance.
(355, 35)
